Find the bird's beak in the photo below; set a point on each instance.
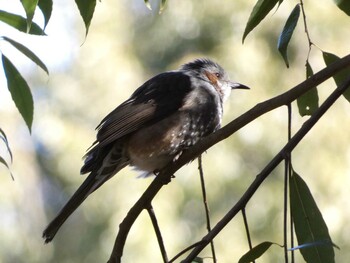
(238, 86)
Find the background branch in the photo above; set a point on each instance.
(165, 175)
(206, 206)
(154, 220)
(284, 153)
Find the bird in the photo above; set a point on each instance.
(165, 116)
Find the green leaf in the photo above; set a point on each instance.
(20, 23)
(195, 260)
(29, 7)
(86, 9)
(20, 91)
(27, 52)
(46, 8)
(308, 103)
(341, 76)
(312, 244)
(287, 33)
(259, 12)
(344, 5)
(162, 6)
(309, 224)
(2, 160)
(5, 163)
(4, 138)
(148, 4)
(256, 252)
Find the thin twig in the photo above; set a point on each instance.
(242, 202)
(292, 258)
(260, 109)
(153, 217)
(286, 177)
(184, 251)
(206, 207)
(306, 29)
(245, 220)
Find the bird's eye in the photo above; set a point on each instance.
(217, 75)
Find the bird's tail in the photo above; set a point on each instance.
(79, 196)
(111, 164)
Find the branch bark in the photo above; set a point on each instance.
(165, 175)
(283, 154)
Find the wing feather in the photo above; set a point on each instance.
(126, 119)
(156, 99)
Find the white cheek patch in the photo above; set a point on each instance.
(225, 90)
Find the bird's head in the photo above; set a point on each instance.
(212, 73)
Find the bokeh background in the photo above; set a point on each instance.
(126, 45)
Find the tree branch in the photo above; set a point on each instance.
(154, 220)
(284, 153)
(165, 175)
(206, 206)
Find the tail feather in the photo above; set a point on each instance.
(111, 164)
(79, 196)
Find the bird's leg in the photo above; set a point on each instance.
(165, 180)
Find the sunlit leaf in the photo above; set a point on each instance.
(29, 7)
(312, 244)
(256, 252)
(341, 76)
(20, 23)
(162, 6)
(27, 52)
(259, 12)
(4, 138)
(344, 5)
(196, 260)
(309, 224)
(46, 8)
(287, 33)
(86, 9)
(308, 103)
(148, 4)
(20, 91)
(5, 163)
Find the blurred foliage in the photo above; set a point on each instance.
(127, 43)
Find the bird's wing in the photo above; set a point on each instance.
(156, 99)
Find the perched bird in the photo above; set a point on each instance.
(162, 118)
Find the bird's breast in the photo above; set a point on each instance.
(153, 147)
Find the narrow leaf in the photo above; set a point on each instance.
(309, 224)
(308, 103)
(148, 4)
(46, 8)
(195, 260)
(312, 244)
(5, 163)
(162, 6)
(256, 252)
(20, 91)
(344, 5)
(29, 7)
(340, 77)
(86, 9)
(4, 138)
(27, 52)
(20, 23)
(287, 33)
(259, 12)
